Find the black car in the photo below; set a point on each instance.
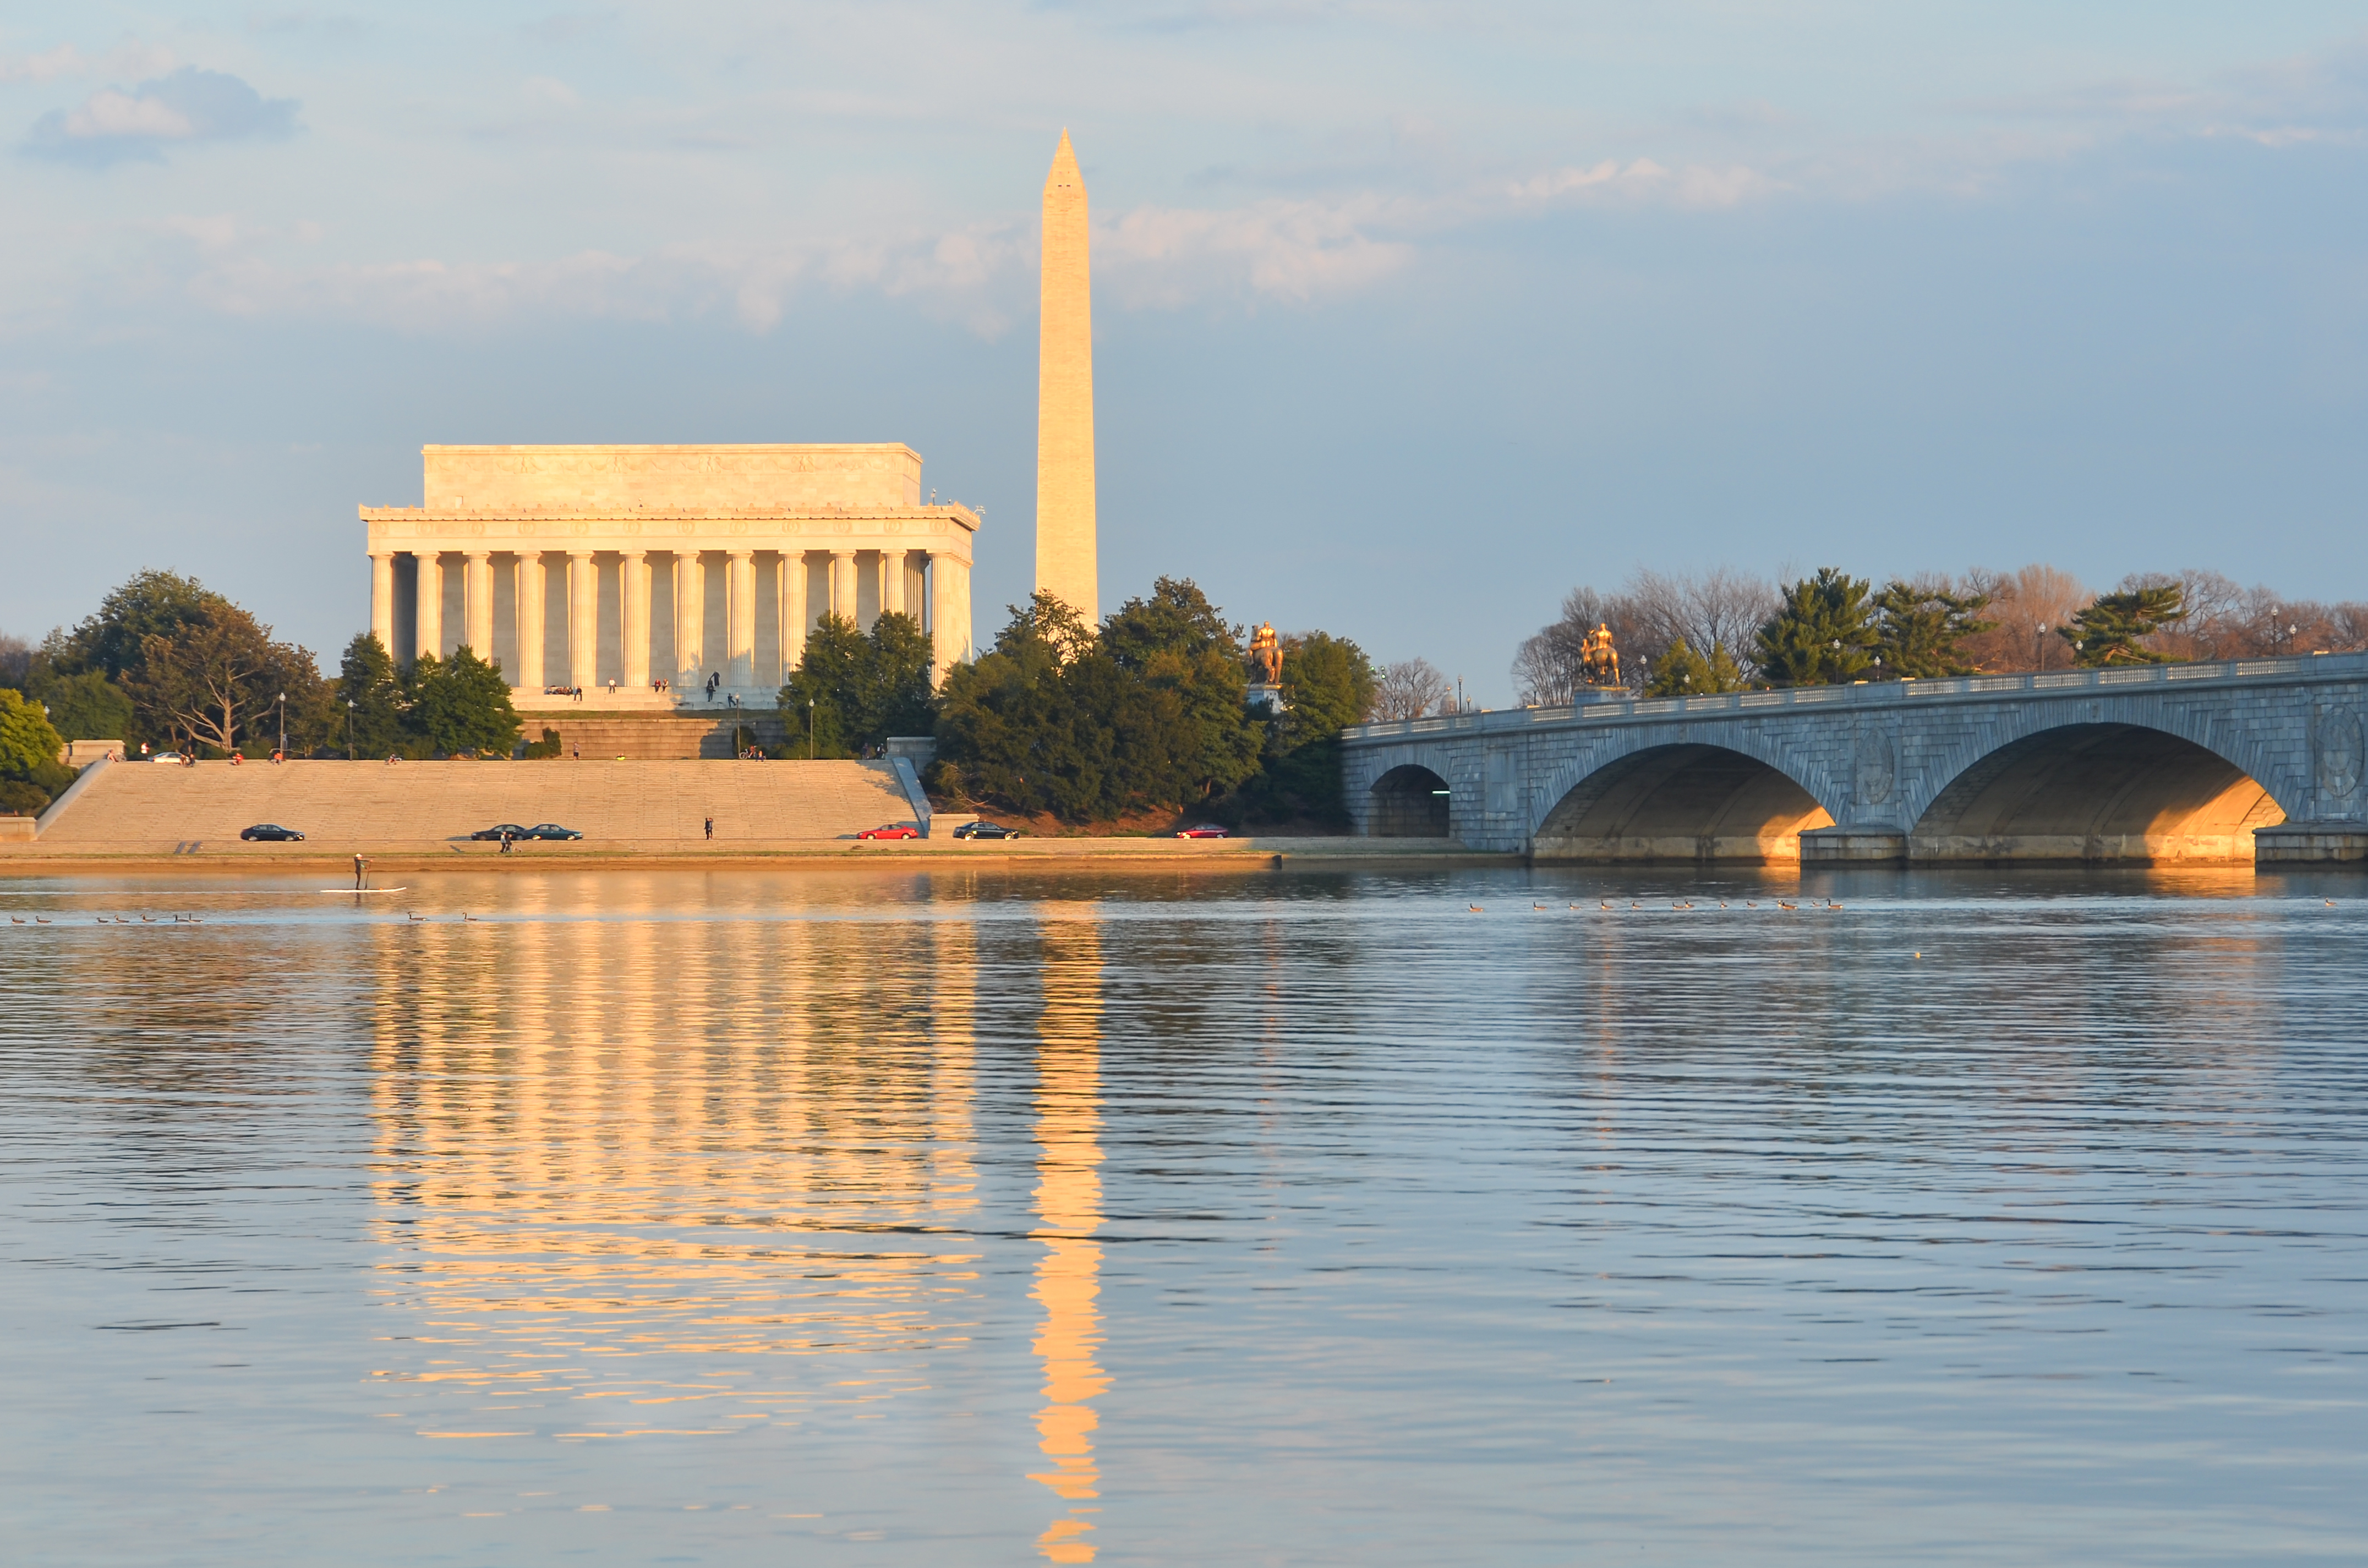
(550, 830)
(272, 833)
(985, 829)
(500, 830)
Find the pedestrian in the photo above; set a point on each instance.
(143, 751)
(711, 827)
(278, 758)
(579, 752)
(360, 867)
(506, 841)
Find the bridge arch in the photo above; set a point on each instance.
(1409, 801)
(1678, 800)
(2095, 790)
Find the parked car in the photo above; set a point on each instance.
(985, 829)
(1206, 830)
(500, 829)
(891, 830)
(551, 830)
(271, 832)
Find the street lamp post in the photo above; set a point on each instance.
(283, 724)
(2039, 647)
(810, 722)
(349, 729)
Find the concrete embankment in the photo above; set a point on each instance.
(642, 814)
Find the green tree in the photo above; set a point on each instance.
(86, 707)
(896, 695)
(217, 680)
(829, 681)
(1681, 672)
(366, 679)
(30, 774)
(1049, 720)
(1823, 632)
(1179, 642)
(27, 740)
(150, 604)
(462, 704)
(1327, 683)
(1919, 631)
(863, 686)
(2109, 631)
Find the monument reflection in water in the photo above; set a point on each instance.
(597, 1161)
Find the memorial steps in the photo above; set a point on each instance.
(161, 808)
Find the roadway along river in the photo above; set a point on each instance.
(1279, 1218)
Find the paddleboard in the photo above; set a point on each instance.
(365, 890)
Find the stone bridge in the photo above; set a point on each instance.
(2251, 759)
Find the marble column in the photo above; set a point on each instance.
(689, 620)
(740, 620)
(477, 604)
(633, 610)
(427, 616)
(531, 585)
(382, 600)
(891, 581)
(843, 602)
(583, 620)
(793, 611)
(949, 612)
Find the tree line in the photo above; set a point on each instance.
(168, 663)
(1148, 713)
(1722, 629)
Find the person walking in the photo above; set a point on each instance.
(361, 869)
(711, 827)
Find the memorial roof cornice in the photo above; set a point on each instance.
(957, 514)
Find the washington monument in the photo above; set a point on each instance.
(1064, 399)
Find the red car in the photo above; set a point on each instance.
(893, 830)
(1206, 830)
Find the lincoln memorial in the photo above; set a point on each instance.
(577, 566)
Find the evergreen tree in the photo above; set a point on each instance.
(823, 695)
(1179, 642)
(2107, 632)
(1822, 633)
(461, 705)
(896, 699)
(1327, 683)
(863, 686)
(1681, 672)
(366, 679)
(1919, 631)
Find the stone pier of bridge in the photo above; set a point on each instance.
(2250, 761)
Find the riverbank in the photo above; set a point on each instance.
(1227, 854)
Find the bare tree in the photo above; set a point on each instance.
(1411, 688)
(1721, 608)
(2022, 603)
(16, 661)
(1718, 608)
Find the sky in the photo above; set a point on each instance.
(1409, 317)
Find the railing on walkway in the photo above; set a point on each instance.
(1610, 710)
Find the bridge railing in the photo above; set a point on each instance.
(1610, 710)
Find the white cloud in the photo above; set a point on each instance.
(115, 125)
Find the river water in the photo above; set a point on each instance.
(1273, 1218)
